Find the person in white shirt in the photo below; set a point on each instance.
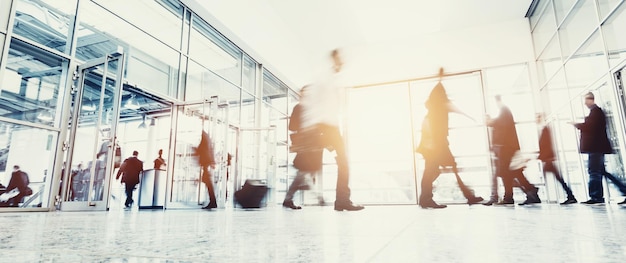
(321, 110)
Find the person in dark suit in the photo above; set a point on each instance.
(19, 180)
(206, 159)
(434, 146)
(547, 157)
(595, 142)
(130, 170)
(505, 144)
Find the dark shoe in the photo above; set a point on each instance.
(431, 204)
(569, 201)
(622, 202)
(210, 206)
(530, 201)
(348, 206)
(289, 204)
(592, 202)
(506, 202)
(474, 200)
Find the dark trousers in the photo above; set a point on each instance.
(505, 154)
(333, 140)
(550, 167)
(431, 172)
(207, 178)
(130, 187)
(596, 170)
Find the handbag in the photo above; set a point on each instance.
(307, 140)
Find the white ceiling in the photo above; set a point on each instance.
(292, 35)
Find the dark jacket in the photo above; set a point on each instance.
(504, 133)
(18, 180)
(205, 151)
(546, 150)
(593, 138)
(131, 168)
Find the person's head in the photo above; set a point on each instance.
(16, 167)
(589, 100)
(160, 152)
(304, 90)
(135, 153)
(337, 62)
(498, 99)
(540, 117)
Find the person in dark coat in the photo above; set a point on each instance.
(505, 144)
(130, 170)
(19, 180)
(434, 146)
(595, 142)
(206, 159)
(547, 157)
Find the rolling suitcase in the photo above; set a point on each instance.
(251, 194)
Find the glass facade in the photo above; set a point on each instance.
(178, 73)
(585, 54)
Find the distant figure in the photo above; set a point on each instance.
(131, 168)
(595, 142)
(206, 159)
(505, 145)
(321, 110)
(159, 162)
(547, 157)
(17, 188)
(308, 159)
(434, 146)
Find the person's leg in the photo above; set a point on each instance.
(129, 194)
(550, 167)
(595, 169)
(208, 181)
(431, 172)
(333, 139)
(502, 170)
(288, 201)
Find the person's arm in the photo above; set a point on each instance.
(455, 109)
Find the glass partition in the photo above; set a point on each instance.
(21, 145)
(587, 65)
(614, 37)
(46, 22)
(577, 26)
(549, 61)
(31, 87)
(544, 31)
(607, 6)
(562, 8)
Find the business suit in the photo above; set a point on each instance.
(505, 144)
(595, 142)
(131, 168)
(206, 158)
(547, 156)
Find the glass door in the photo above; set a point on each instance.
(93, 154)
(187, 188)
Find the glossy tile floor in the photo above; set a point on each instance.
(459, 233)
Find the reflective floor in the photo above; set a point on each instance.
(459, 233)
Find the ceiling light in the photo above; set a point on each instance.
(142, 125)
(132, 103)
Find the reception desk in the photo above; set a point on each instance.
(152, 189)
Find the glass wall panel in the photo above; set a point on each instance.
(161, 18)
(5, 10)
(274, 92)
(379, 146)
(248, 112)
(31, 88)
(545, 30)
(549, 61)
(203, 84)
(587, 64)
(538, 13)
(214, 51)
(33, 150)
(606, 6)
(614, 37)
(562, 8)
(151, 64)
(45, 22)
(555, 94)
(578, 25)
(249, 75)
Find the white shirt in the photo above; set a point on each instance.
(323, 102)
